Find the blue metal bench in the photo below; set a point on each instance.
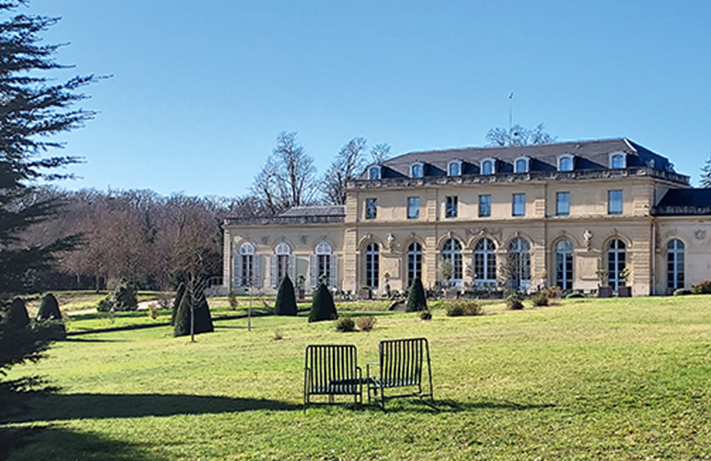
(332, 370)
(401, 365)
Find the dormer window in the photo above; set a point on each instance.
(488, 166)
(454, 168)
(565, 162)
(618, 160)
(417, 170)
(521, 165)
(374, 172)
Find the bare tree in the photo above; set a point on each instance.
(380, 152)
(287, 179)
(519, 136)
(348, 164)
(706, 174)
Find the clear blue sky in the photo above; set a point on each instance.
(201, 89)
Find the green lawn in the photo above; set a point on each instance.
(624, 379)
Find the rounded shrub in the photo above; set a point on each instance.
(366, 323)
(104, 304)
(124, 298)
(16, 316)
(514, 302)
(322, 306)
(575, 294)
(426, 315)
(540, 299)
(345, 324)
(203, 319)
(416, 300)
(460, 308)
(49, 308)
(286, 298)
(703, 288)
(682, 292)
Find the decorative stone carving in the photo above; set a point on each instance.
(587, 236)
(391, 241)
(303, 239)
(700, 234)
(265, 240)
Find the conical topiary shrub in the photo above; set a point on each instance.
(203, 319)
(179, 293)
(416, 300)
(49, 308)
(322, 307)
(286, 299)
(16, 316)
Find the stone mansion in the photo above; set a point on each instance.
(573, 215)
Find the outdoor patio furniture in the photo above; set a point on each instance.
(332, 370)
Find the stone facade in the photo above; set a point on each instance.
(526, 224)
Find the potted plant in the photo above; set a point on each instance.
(364, 292)
(624, 291)
(300, 290)
(603, 290)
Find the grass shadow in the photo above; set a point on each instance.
(93, 340)
(59, 407)
(54, 443)
(413, 405)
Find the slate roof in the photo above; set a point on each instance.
(304, 211)
(589, 155)
(678, 202)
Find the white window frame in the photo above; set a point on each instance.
(675, 263)
(564, 266)
(375, 172)
(610, 209)
(515, 211)
(558, 209)
(484, 162)
(484, 263)
(560, 159)
(458, 164)
(614, 155)
(415, 165)
(527, 161)
(413, 207)
(481, 210)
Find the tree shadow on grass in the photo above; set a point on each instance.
(53, 443)
(413, 405)
(58, 407)
(93, 340)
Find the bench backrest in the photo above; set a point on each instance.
(329, 364)
(402, 361)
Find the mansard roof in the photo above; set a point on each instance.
(302, 211)
(680, 202)
(589, 155)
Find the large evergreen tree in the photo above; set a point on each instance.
(32, 109)
(202, 316)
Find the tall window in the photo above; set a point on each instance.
(519, 264)
(323, 263)
(372, 265)
(485, 262)
(454, 168)
(484, 206)
(616, 263)
(452, 252)
(675, 264)
(417, 170)
(371, 208)
(487, 166)
(565, 163)
(413, 207)
(521, 165)
(617, 161)
(564, 265)
(414, 262)
(451, 206)
(283, 255)
(614, 202)
(518, 205)
(562, 203)
(245, 273)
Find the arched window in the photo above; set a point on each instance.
(323, 265)
(675, 264)
(454, 168)
(414, 262)
(245, 262)
(564, 265)
(452, 252)
(417, 170)
(374, 172)
(617, 161)
(372, 265)
(283, 262)
(485, 262)
(488, 166)
(565, 163)
(521, 165)
(616, 263)
(519, 264)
